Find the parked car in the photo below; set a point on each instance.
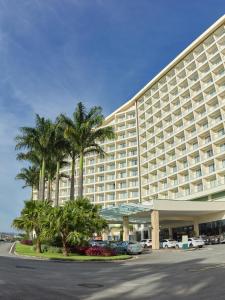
(168, 243)
(98, 243)
(195, 242)
(146, 243)
(134, 248)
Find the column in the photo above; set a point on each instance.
(170, 232)
(125, 228)
(196, 227)
(155, 229)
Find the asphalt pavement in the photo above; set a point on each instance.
(165, 274)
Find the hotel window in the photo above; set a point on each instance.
(122, 185)
(222, 148)
(198, 173)
(100, 178)
(199, 187)
(133, 152)
(122, 154)
(122, 165)
(197, 159)
(212, 168)
(122, 174)
(101, 169)
(111, 157)
(185, 164)
(123, 195)
(133, 183)
(221, 132)
(209, 153)
(186, 177)
(187, 191)
(212, 183)
(133, 173)
(134, 194)
(133, 162)
(111, 177)
(195, 146)
(223, 163)
(101, 198)
(111, 197)
(207, 139)
(123, 145)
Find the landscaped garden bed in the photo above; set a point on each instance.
(89, 254)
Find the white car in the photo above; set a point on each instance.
(195, 242)
(146, 243)
(192, 243)
(168, 243)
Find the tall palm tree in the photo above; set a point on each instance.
(60, 151)
(38, 139)
(35, 160)
(85, 131)
(30, 176)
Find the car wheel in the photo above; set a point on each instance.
(145, 246)
(177, 247)
(166, 246)
(190, 246)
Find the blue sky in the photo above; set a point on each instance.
(54, 53)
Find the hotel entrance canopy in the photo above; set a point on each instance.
(168, 210)
(164, 213)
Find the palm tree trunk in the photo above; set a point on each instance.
(57, 185)
(43, 180)
(32, 192)
(38, 245)
(39, 185)
(49, 188)
(81, 175)
(72, 179)
(65, 250)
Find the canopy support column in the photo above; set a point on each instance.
(155, 229)
(125, 228)
(196, 227)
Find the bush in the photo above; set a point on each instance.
(55, 250)
(44, 248)
(100, 251)
(27, 242)
(79, 249)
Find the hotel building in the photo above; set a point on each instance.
(170, 136)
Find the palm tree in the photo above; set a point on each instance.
(39, 140)
(60, 151)
(35, 160)
(30, 176)
(74, 222)
(32, 218)
(84, 132)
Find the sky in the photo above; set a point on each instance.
(54, 53)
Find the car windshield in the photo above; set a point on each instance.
(171, 240)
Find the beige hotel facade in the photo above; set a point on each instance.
(170, 141)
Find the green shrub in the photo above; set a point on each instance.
(55, 250)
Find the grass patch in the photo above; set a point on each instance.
(28, 251)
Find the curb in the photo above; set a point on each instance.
(12, 249)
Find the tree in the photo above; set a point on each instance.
(84, 132)
(60, 151)
(30, 176)
(74, 222)
(38, 140)
(32, 218)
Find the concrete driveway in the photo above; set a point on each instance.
(166, 274)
